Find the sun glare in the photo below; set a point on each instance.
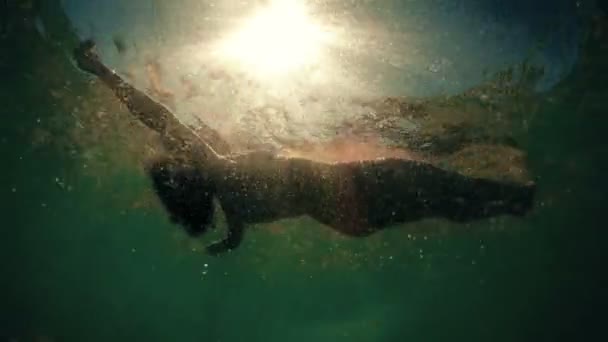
(278, 39)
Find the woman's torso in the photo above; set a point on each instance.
(356, 198)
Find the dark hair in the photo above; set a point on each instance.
(185, 193)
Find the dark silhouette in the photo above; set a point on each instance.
(184, 192)
(3, 18)
(354, 198)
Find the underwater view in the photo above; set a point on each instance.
(303, 170)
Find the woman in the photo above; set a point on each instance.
(354, 198)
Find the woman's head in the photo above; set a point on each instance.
(185, 193)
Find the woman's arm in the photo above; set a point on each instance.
(232, 240)
(176, 137)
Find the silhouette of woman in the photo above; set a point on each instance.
(354, 198)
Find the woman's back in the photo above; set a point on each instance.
(358, 198)
(261, 186)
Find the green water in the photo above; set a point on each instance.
(79, 265)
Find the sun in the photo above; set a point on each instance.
(276, 40)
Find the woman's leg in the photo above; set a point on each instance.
(400, 191)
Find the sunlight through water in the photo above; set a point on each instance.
(276, 40)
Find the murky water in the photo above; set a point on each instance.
(88, 253)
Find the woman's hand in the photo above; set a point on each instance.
(219, 247)
(86, 57)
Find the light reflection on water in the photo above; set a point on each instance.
(392, 48)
